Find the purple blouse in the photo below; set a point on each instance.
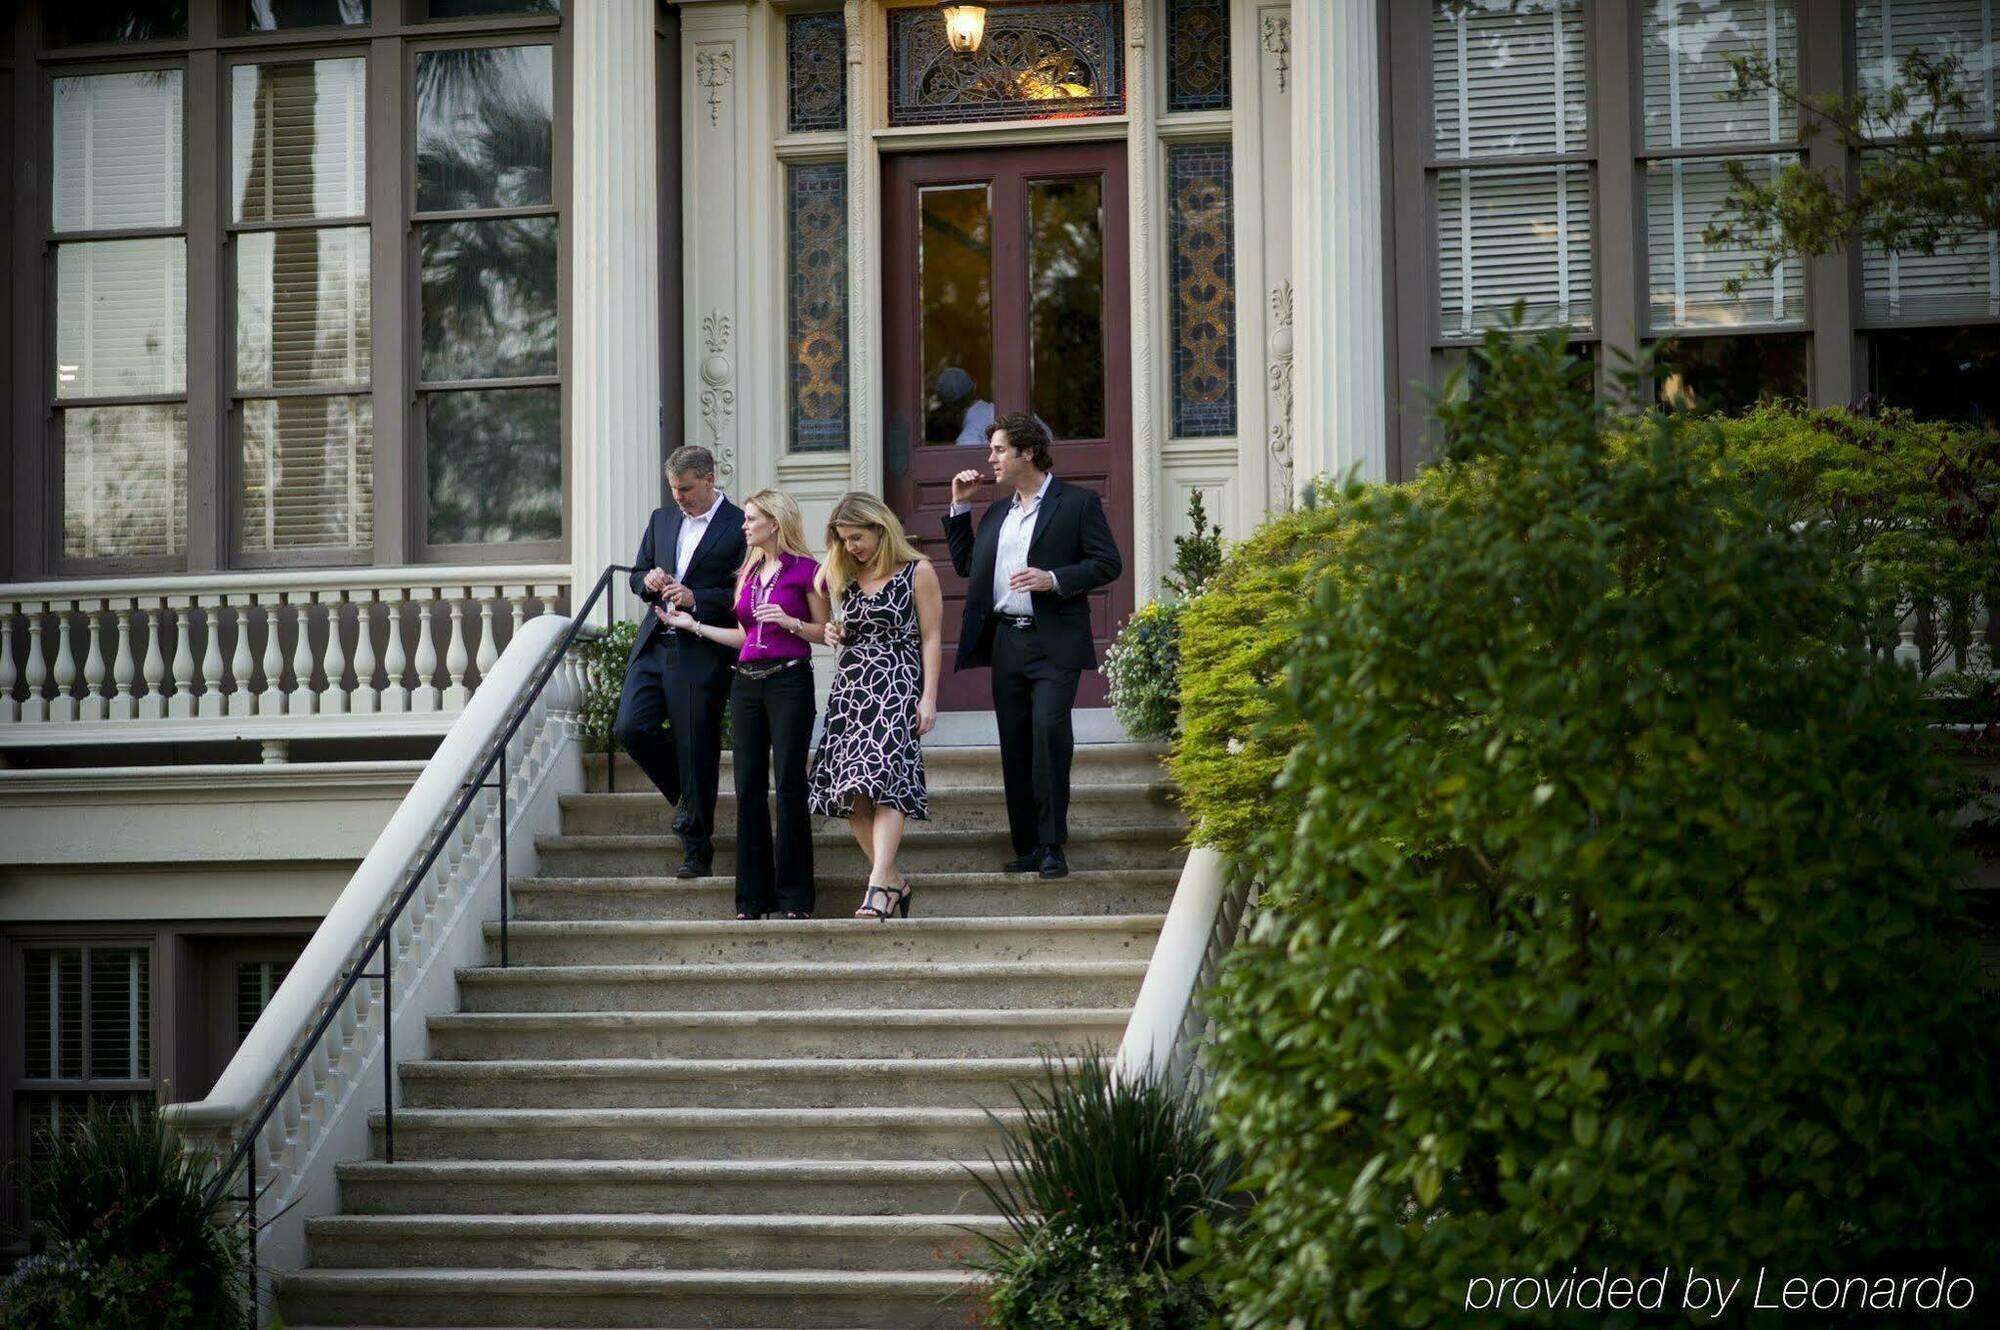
(788, 592)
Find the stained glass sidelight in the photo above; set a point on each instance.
(1037, 62)
(1201, 231)
(818, 298)
(816, 64)
(1197, 55)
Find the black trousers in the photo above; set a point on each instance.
(1032, 700)
(773, 720)
(672, 681)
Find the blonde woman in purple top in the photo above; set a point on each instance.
(779, 612)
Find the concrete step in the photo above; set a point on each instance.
(852, 985)
(822, 1299)
(835, 854)
(656, 1186)
(720, 1082)
(947, 768)
(944, 895)
(647, 1242)
(878, 1033)
(692, 1133)
(1106, 937)
(643, 811)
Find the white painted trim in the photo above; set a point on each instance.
(291, 579)
(299, 780)
(1002, 134)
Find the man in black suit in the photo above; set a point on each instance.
(688, 558)
(1038, 552)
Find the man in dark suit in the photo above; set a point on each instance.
(1035, 556)
(688, 559)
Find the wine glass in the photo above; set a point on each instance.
(760, 596)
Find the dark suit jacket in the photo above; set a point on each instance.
(711, 575)
(1071, 539)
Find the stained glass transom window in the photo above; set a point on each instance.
(816, 63)
(1201, 234)
(1197, 55)
(1037, 62)
(817, 334)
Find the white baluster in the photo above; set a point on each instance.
(396, 695)
(242, 665)
(153, 701)
(1906, 653)
(93, 706)
(303, 697)
(333, 702)
(366, 699)
(455, 656)
(36, 709)
(271, 702)
(124, 706)
(181, 703)
(63, 705)
(425, 696)
(517, 600)
(212, 702)
(10, 708)
(489, 650)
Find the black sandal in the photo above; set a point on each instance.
(869, 911)
(798, 914)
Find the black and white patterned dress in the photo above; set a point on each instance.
(870, 745)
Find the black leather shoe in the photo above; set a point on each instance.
(697, 863)
(1053, 863)
(1031, 862)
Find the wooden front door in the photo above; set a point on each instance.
(1006, 286)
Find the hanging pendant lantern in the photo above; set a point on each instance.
(964, 26)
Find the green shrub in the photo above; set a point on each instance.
(1105, 1179)
(122, 1237)
(1143, 668)
(604, 658)
(1618, 924)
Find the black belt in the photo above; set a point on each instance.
(759, 672)
(1019, 620)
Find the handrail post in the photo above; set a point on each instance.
(502, 784)
(388, 1045)
(250, 1215)
(611, 736)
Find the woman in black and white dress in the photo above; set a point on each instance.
(888, 624)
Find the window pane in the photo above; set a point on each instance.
(484, 121)
(473, 8)
(489, 299)
(53, 1031)
(1066, 305)
(124, 481)
(818, 299)
(118, 140)
(267, 15)
(1683, 197)
(1939, 373)
(816, 63)
(493, 460)
(256, 983)
(1960, 280)
(302, 308)
(298, 138)
(308, 473)
(1037, 62)
(121, 318)
(121, 1043)
(1689, 44)
(1514, 235)
(955, 272)
(88, 21)
(1731, 373)
(1508, 77)
(1887, 31)
(1197, 55)
(1200, 226)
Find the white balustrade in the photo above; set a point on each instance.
(261, 656)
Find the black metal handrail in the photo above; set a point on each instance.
(245, 1153)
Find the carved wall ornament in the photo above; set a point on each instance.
(713, 66)
(718, 398)
(1280, 378)
(1278, 42)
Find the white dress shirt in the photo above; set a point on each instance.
(692, 530)
(1017, 532)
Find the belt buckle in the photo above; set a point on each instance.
(1022, 621)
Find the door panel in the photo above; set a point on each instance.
(1006, 287)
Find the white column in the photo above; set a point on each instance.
(1342, 323)
(614, 245)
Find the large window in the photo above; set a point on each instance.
(299, 289)
(86, 1036)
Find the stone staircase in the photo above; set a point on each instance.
(657, 1116)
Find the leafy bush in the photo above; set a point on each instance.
(122, 1237)
(604, 659)
(1617, 925)
(1143, 668)
(1105, 1179)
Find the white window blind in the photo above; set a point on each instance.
(299, 140)
(1507, 235)
(1688, 47)
(302, 308)
(1687, 277)
(308, 473)
(1508, 77)
(1887, 31)
(124, 480)
(121, 318)
(256, 981)
(87, 1014)
(117, 158)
